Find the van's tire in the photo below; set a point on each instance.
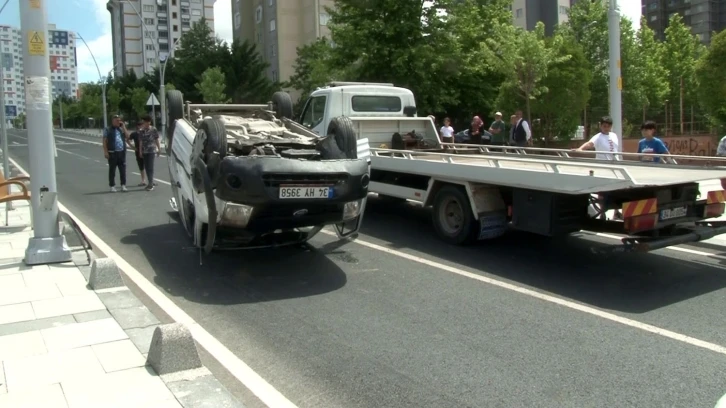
(341, 128)
(452, 215)
(282, 103)
(174, 112)
(215, 146)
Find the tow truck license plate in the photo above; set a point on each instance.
(671, 213)
(305, 192)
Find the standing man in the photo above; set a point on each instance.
(139, 160)
(497, 129)
(115, 140)
(521, 134)
(149, 149)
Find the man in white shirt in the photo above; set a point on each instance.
(521, 133)
(605, 141)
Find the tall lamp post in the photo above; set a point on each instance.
(103, 80)
(163, 59)
(616, 81)
(3, 126)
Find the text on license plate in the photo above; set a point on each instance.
(306, 192)
(670, 213)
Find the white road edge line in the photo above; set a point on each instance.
(238, 368)
(547, 298)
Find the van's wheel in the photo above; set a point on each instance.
(282, 103)
(341, 128)
(453, 217)
(174, 111)
(214, 147)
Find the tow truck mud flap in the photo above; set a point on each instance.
(211, 205)
(349, 229)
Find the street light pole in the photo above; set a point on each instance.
(616, 81)
(4, 126)
(60, 104)
(47, 245)
(162, 88)
(102, 79)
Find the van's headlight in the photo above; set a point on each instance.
(351, 209)
(237, 215)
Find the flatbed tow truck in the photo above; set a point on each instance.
(479, 192)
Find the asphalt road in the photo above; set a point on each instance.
(353, 326)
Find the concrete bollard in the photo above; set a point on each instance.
(104, 274)
(173, 349)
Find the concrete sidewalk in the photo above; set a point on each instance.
(63, 344)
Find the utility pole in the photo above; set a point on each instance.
(60, 104)
(4, 133)
(47, 245)
(616, 81)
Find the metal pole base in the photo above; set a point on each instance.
(42, 251)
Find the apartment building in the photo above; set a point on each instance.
(527, 13)
(703, 16)
(278, 27)
(62, 60)
(142, 30)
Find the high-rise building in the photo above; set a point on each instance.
(278, 27)
(144, 29)
(527, 13)
(62, 61)
(703, 16)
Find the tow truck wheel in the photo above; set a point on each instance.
(282, 102)
(341, 128)
(452, 216)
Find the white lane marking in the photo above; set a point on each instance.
(88, 141)
(74, 154)
(238, 368)
(547, 298)
(155, 179)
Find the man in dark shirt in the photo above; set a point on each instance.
(139, 159)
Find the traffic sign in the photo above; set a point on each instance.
(36, 43)
(11, 111)
(152, 101)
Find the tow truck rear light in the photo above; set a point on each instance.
(718, 196)
(713, 210)
(640, 223)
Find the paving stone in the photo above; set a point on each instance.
(118, 355)
(67, 305)
(52, 276)
(21, 345)
(83, 334)
(12, 281)
(170, 403)
(128, 388)
(134, 317)
(119, 300)
(16, 313)
(74, 288)
(8, 266)
(35, 371)
(48, 396)
(38, 324)
(91, 316)
(203, 392)
(10, 296)
(142, 338)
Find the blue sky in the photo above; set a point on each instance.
(92, 21)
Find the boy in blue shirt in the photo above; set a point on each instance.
(650, 144)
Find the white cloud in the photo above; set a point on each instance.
(223, 19)
(101, 47)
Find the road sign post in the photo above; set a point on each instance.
(153, 102)
(47, 245)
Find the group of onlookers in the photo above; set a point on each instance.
(518, 133)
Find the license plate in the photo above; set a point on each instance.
(671, 213)
(303, 192)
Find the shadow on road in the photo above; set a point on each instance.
(631, 283)
(238, 277)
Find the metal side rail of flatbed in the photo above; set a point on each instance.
(701, 231)
(553, 172)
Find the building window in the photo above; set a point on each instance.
(324, 18)
(272, 25)
(185, 10)
(173, 15)
(197, 12)
(175, 28)
(271, 2)
(272, 50)
(564, 9)
(149, 47)
(653, 18)
(162, 22)
(258, 14)
(173, 2)
(196, 1)
(274, 76)
(163, 47)
(163, 34)
(519, 13)
(149, 21)
(237, 21)
(148, 8)
(149, 34)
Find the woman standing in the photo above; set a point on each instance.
(476, 131)
(149, 149)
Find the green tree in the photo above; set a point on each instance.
(245, 73)
(526, 59)
(680, 52)
(212, 85)
(655, 79)
(113, 98)
(138, 97)
(711, 88)
(314, 67)
(199, 49)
